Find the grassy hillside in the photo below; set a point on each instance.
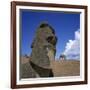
(66, 68)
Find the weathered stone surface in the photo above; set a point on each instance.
(43, 50)
(44, 41)
(27, 71)
(30, 70)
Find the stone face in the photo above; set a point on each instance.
(43, 49)
(44, 41)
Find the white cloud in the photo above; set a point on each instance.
(72, 48)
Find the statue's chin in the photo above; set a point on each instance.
(51, 55)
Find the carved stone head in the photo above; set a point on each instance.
(43, 46)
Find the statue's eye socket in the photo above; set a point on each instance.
(49, 38)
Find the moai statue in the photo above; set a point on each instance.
(62, 57)
(43, 50)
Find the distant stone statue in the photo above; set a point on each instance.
(62, 57)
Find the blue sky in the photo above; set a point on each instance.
(65, 25)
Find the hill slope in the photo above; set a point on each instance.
(66, 68)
